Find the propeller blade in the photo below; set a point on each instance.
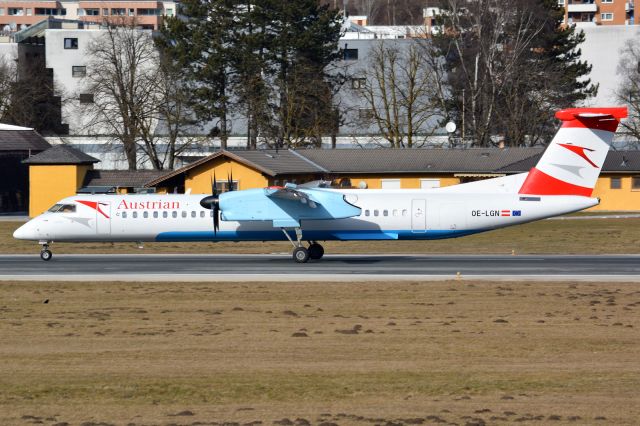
(230, 181)
(214, 185)
(216, 218)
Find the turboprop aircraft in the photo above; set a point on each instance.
(561, 182)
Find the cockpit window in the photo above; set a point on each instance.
(63, 208)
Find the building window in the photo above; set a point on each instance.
(607, 1)
(16, 11)
(429, 183)
(131, 12)
(1, 11)
(615, 183)
(118, 11)
(29, 11)
(365, 113)
(635, 183)
(92, 12)
(350, 54)
(105, 11)
(606, 16)
(70, 43)
(78, 71)
(223, 185)
(169, 12)
(86, 98)
(358, 83)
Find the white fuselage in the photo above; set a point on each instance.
(385, 215)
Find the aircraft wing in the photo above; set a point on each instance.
(286, 206)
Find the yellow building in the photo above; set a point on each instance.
(618, 187)
(62, 171)
(54, 174)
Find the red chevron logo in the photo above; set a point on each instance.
(580, 151)
(94, 205)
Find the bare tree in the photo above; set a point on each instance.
(122, 75)
(628, 92)
(400, 90)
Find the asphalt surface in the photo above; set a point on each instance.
(344, 267)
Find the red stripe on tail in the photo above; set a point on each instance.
(539, 183)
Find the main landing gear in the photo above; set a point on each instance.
(302, 254)
(45, 253)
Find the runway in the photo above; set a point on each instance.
(331, 267)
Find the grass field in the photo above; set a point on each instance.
(584, 236)
(319, 353)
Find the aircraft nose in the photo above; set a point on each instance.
(25, 232)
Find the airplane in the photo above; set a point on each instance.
(562, 182)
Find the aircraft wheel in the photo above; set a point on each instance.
(316, 251)
(301, 255)
(46, 255)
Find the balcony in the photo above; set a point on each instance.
(586, 7)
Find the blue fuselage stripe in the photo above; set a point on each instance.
(342, 235)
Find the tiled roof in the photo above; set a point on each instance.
(22, 140)
(473, 160)
(381, 161)
(269, 162)
(61, 154)
(121, 178)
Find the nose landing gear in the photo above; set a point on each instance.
(45, 253)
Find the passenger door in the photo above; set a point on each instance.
(419, 216)
(103, 218)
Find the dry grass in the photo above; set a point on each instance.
(585, 236)
(342, 353)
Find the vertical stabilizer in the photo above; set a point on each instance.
(572, 162)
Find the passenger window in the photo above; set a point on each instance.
(124, 215)
(385, 213)
(145, 214)
(404, 212)
(184, 214)
(155, 215)
(134, 215)
(395, 212)
(211, 213)
(193, 213)
(174, 214)
(202, 213)
(366, 212)
(165, 215)
(376, 212)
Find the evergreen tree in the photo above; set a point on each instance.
(511, 64)
(267, 59)
(200, 40)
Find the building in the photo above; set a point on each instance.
(63, 171)
(618, 186)
(16, 15)
(16, 145)
(600, 12)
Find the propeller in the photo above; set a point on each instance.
(211, 202)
